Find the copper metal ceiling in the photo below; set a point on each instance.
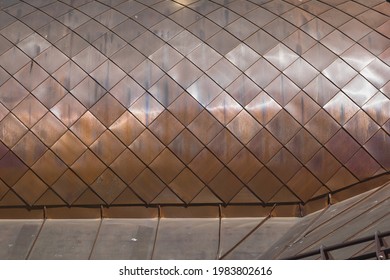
(134, 103)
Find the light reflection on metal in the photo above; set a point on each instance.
(201, 103)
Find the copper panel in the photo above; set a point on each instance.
(147, 185)
(49, 129)
(284, 164)
(49, 167)
(219, 146)
(303, 145)
(147, 43)
(223, 72)
(376, 146)
(359, 90)
(30, 187)
(166, 57)
(242, 56)
(186, 185)
(11, 130)
(88, 128)
(261, 42)
(29, 111)
(127, 58)
(223, 16)
(378, 108)
(127, 166)
(265, 184)
(108, 74)
(319, 56)
(302, 108)
(146, 109)
(109, 44)
(146, 74)
(107, 109)
(68, 110)
(377, 73)
(205, 127)
(204, 28)
(281, 56)
(323, 165)
(361, 127)
(322, 126)
(243, 90)
(358, 57)
(300, 72)
(89, 59)
(304, 184)
(69, 75)
(68, 148)
(71, 44)
(92, 9)
(223, 42)
(185, 42)
(127, 91)
(166, 90)
(167, 166)
(107, 147)
(241, 28)
(54, 31)
(147, 146)
(225, 185)
(49, 92)
(299, 42)
(88, 167)
(264, 146)
(205, 165)
(29, 148)
(127, 128)
(280, 28)
(342, 146)
(108, 186)
(282, 89)
(185, 73)
(263, 108)
(11, 93)
(283, 127)
(362, 165)
(244, 127)
(16, 32)
(186, 146)
(245, 165)
(224, 108)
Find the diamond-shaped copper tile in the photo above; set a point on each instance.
(147, 43)
(375, 42)
(260, 16)
(244, 126)
(337, 42)
(376, 73)
(322, 126)
(280, 28)
(167, 166)
(127, 166)
(16, 32)
(204, 57)
(304, 184)
(225, 146)
(281, 56)
(127, 91)
(264, 146)
(91, 30)
(11, 168)
(283, 126)
(3, 189)
(372, 18)
(282, 90)
(3, 112)
(127, 58)
(341, 108)
(107, 109)
(205, 165)
(29, 111)
(11, 93)
(339, 73)
(147, 185)
(49, 167)
(323, 165)
(69, 75)
(204, 90)
(127, 128)
(223, 42)
(186, 185)
(186, 146)
(166, 90)
(29, 149)
(284, 165)
(185, 108)
(33, 45)
(242, 56)
(342, 146)
(263, 108)
(129, 30)
(107, 147)
(73, 18)
(54, 31)
(51, 59)
(378, 108)
(321, 90)
(166, 57)
(223, 73)
(244, 165)
(108, 74)
(302, 108)
(284, 195)
(146, 146)
(146, 109)
(224, 108)
(3, 149)
(185, 42)
(88, 167)
(68, 110)
(4, 76)
(225, 185)
(335, 17)
(317, 28)
(245, 196)
(223, 16)
(203, 7)
(261, 42)
(355, 29)
(166, 29)
(299, 42)
(300, 72)
(89, 59)
(205, 127)
(206, 196)
(362, 165)
(148, 17)
(359, 90)
(265, 184)
(49, 129)
(147, 74)
(185, 73)
(297, 16)
(69, 187)
(30, 187)
(241, 28)
(319, 56)
(108, 186)
(49, 92)
(303, 145)
(11, 130)
(109, 43)
(361, 127)
(386, 126)
(243, 90)
(341, 179)
(166, 127)
(68, 148)
(315, 7)
(87, 128)
(358, 57)
(377, 147)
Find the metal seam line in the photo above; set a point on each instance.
(97, 233)
(219, 232)
(156, 235)
(39, 232)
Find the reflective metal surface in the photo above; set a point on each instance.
(111, 103)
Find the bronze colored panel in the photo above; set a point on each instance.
(127, 91)
(185, 42)
(16, 32)
(87, 128)
(147, 185)
(205, 196)
(280, 28)
(107, 147)
(166, 57)
(299, 42)
(243, 90)
(263, 108)
(68, 148)
(244, 165)
(337, 42)
(362, 165)
(89, 59)
(284, 165)
(108, 74)
(224, 108)
(3, 149)
(107, 109)
(185, 108)
(204, 90)
(301, 72)
(341, 179)
(33, 45)
(284, 195)
(3, 112)
(339, 73)
(167, 197)
(317, 28)
(49, 167)
(186, 146)
(3, 189)
(319, 56)
(359, 90)
(146, 147)
(166, 90)
(342, 146)
(223, 16)
(147, 74)
(242, 28)
(265, 184)
(108, 186)
(127, 58)
(88, 167)
(49, 129)
(223, 42)
(378, 108)
(281, 56)
(167, 166)
(304, 184)
(302, 108)
(29, 149)
(186, 185)
(355, 29)
(185, 73)
(261, 42)
(69, 75)
(166, 29)
(166, 127)
(242, 56)
(244, 127)
(49, 92)
(262, 73)
(282, 90)
(146, 109)
(264, 146)
(11, 168)
(297, 16)
(11, 130)
(225, 185)
(54, 31)
(73, 19)
(205, 127)
(29, 111)
(303, 145)
(30, 187)
(377, 147)
(376, 73)
(358, 57)
(205, 165)
(322, 126)
(127, 128)
(283, 126)
(68, 110)
(361, 127)
(147, 43)
(225, 146)
(323, 165)
(12, 93)
(204, 56)
(91, 30)
(127, 166)
(245, 196)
